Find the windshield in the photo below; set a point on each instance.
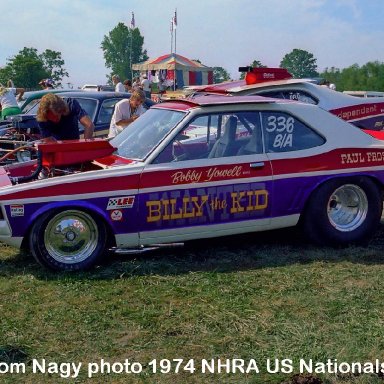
(142, 136)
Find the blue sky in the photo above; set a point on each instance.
(224, 33)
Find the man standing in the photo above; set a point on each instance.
(59, 119)
(126, 112)
(119, 86)
(146, 86)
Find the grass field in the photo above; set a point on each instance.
(261, 296)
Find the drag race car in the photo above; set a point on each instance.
(192, 169)
(365, 113)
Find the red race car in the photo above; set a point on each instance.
(365, 113)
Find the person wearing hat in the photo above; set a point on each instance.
(46, 84)
(119, 86)
(146, 86)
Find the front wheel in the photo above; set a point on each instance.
(68, 240)
(343, 211)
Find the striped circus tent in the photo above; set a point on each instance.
(186, 71)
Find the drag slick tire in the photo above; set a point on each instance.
(68, 240)
(343, 211)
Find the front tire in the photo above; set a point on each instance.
(343, 211)
(68, 240)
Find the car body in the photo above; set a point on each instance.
(30, 98)
(95, 87)
(367, 113)
(364, 93)
(194, 169)
(99, 107)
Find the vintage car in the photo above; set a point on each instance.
(98, 105)
(19, 131)
(194, 169)
(277, 82)
(30, 98)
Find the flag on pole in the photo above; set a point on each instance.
(133, 21)
(174, 20)
(171, 26)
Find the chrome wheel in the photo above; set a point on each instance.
(71, 237)
(347, 207)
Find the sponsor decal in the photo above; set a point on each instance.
(191, 207)
(359, 157)
(210, 174)
(120, 202)
(17, 210)
(356, 112)
(116, 215)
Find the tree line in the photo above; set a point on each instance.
(123, 46)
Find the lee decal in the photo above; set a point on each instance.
(120, 202)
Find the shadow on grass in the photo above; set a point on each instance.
(233, 253)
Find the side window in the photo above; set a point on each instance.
(106, 111)
(216, 136)
(195, 140)
(298, 95)
(293, 94)
(284, 133)
(89, 106)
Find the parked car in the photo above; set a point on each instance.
(364, 93)
(20, 130)
(194, 169)
(95, 87)
(31, 98)
(98, 105)
(365, 113)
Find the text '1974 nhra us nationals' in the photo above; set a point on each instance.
(191, 169)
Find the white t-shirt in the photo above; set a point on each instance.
(122, 112)
(146, 84)
(8, 99)
(119, 87)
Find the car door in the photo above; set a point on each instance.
(212, 179)
(291, 146)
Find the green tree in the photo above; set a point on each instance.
(123, 47)
(300, 64)
(28, 67)
(369, 77)
(333, 75)
(255, 64)
(53, 64)
(220, 75)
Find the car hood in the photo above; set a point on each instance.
(63, 158)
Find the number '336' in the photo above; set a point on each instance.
(280, 124)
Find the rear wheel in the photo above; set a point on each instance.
(68, 240)
(343, 211)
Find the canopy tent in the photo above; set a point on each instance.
(186, 71)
